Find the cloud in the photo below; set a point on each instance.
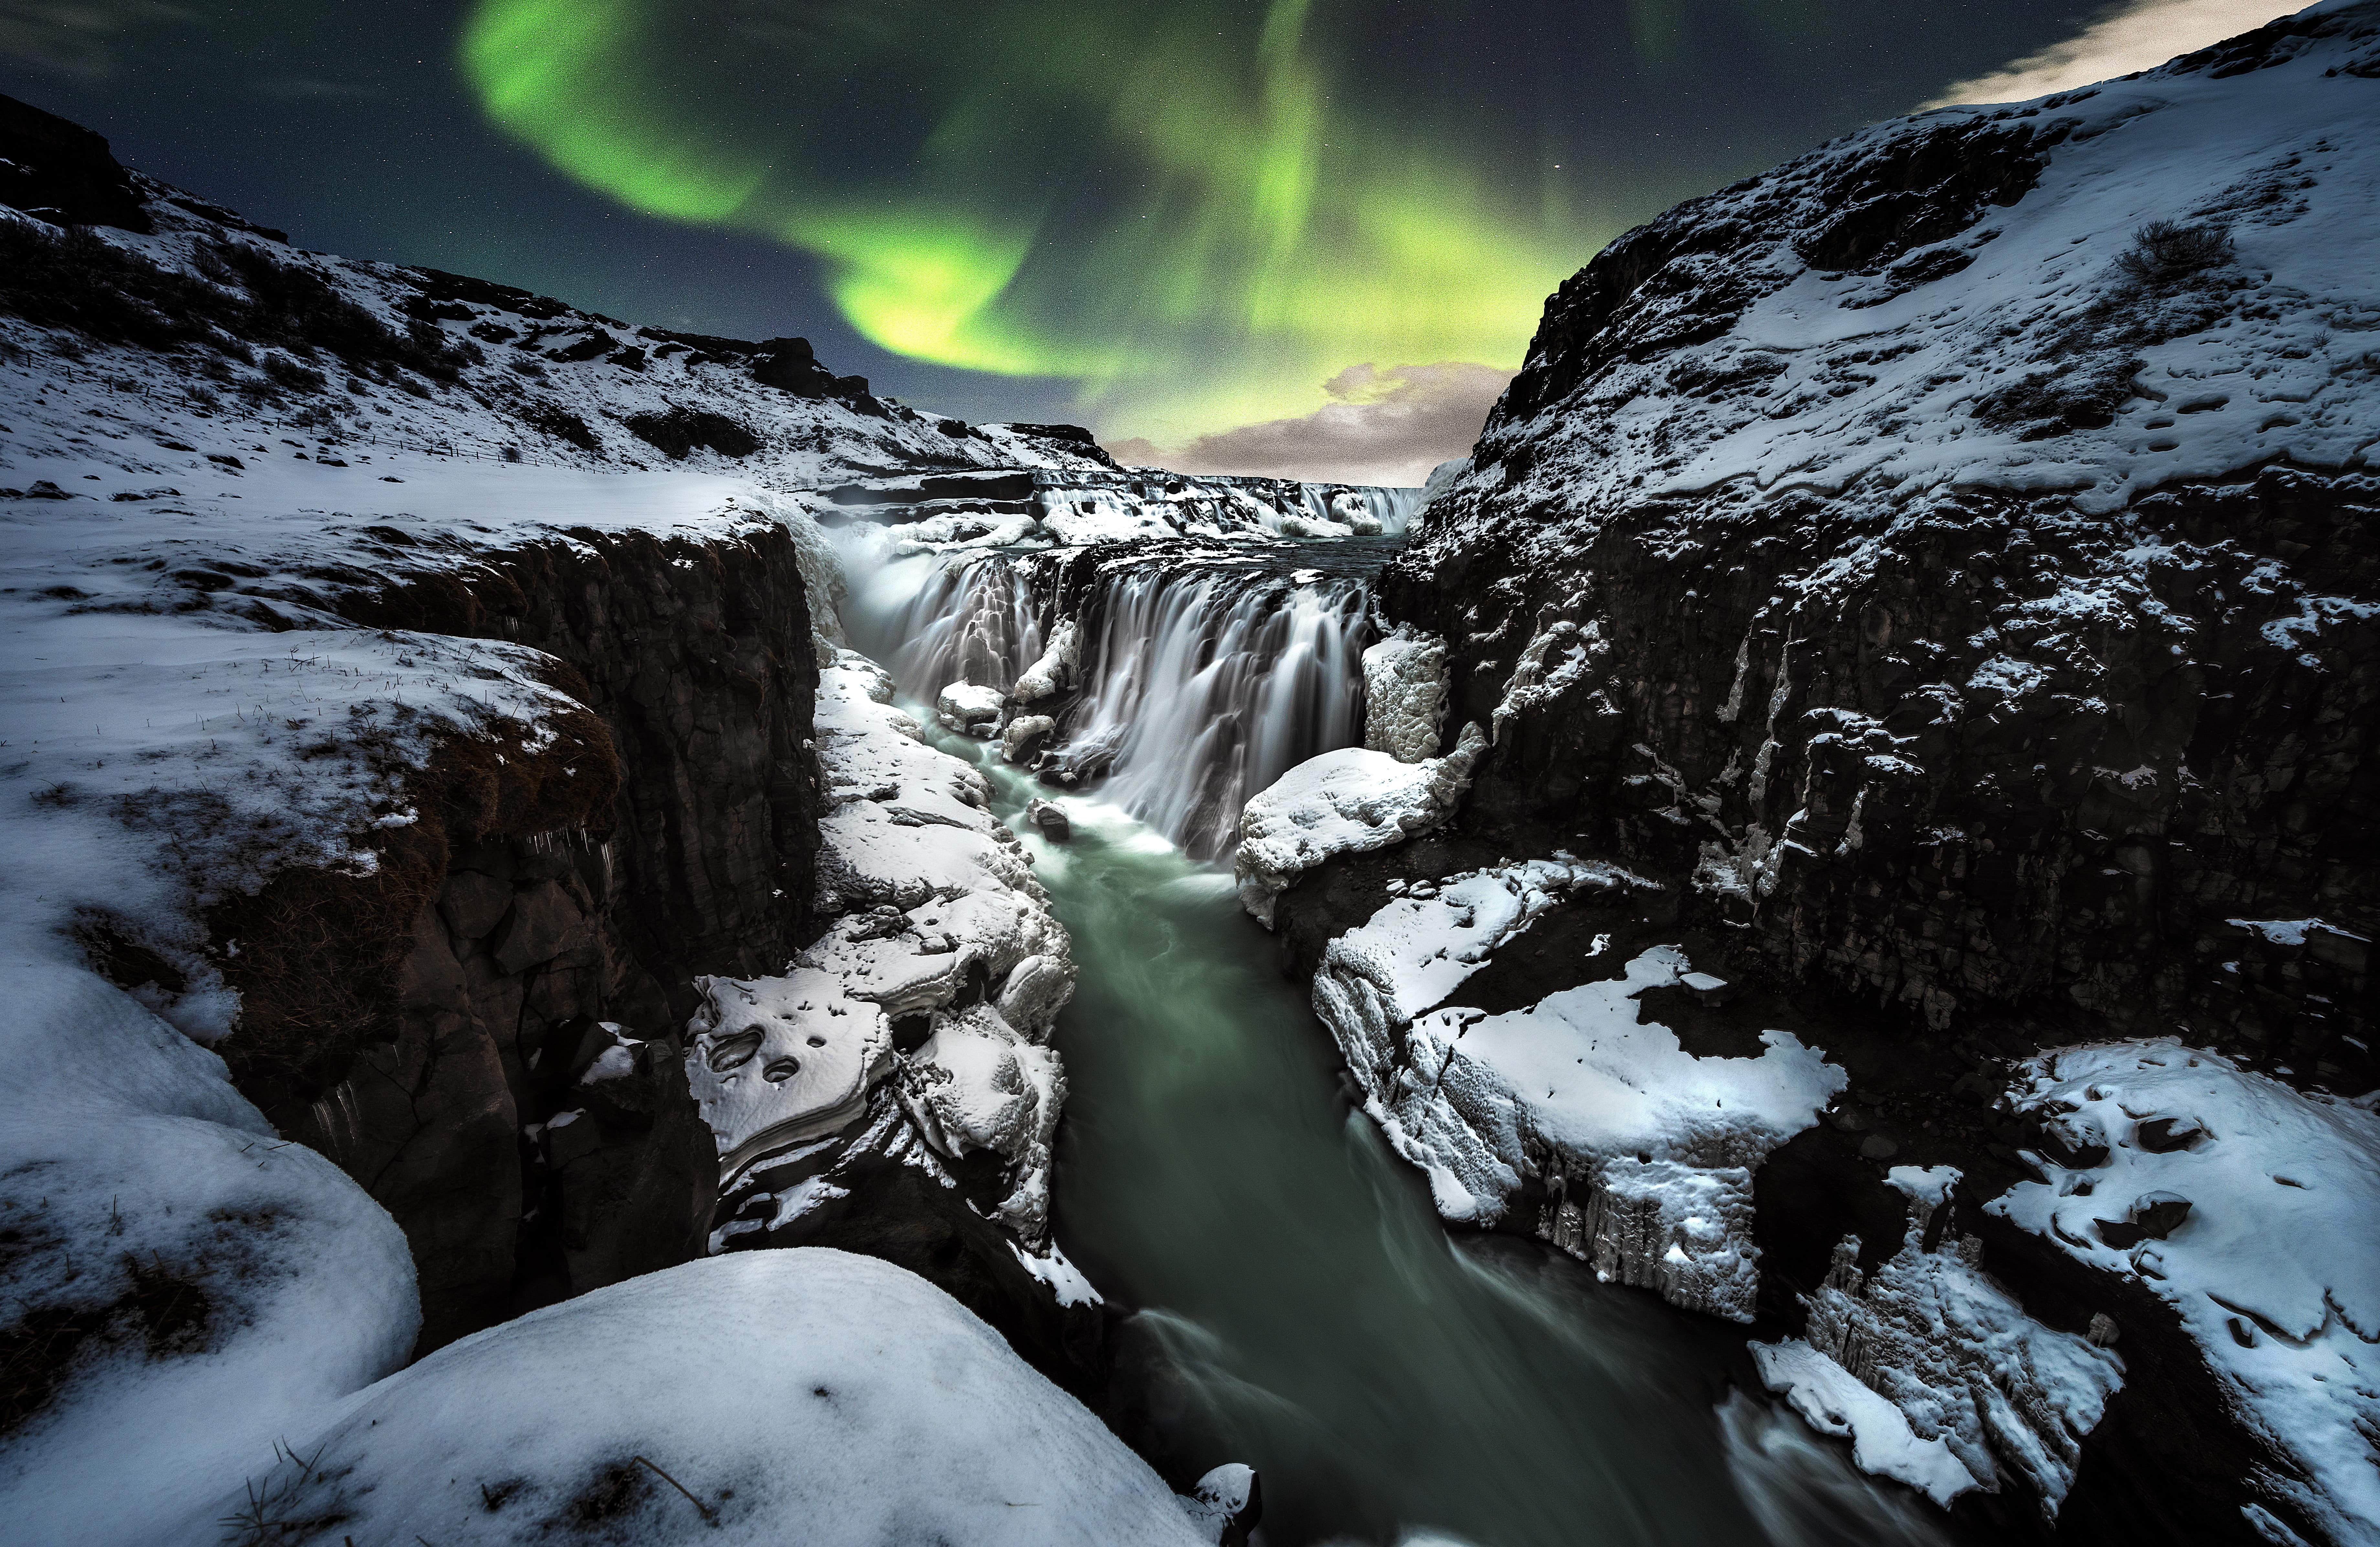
(2140, 35)
(1388, 427)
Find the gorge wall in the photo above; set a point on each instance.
(1942, 569)
(506, 1076)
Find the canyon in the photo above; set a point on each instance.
(625, 833)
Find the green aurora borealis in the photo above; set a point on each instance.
(1203, 218)
(1189, 213)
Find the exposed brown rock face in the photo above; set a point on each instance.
(529, 1151)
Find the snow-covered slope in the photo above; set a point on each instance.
(783, 1397)
(279, 762)
(2253, 1210)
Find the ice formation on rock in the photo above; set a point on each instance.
(1934, 1370)
(940, 923)
(1404, 694)
(1646, 1152)
(970, 709)
(1061, 659)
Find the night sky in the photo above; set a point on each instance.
(1301, 236)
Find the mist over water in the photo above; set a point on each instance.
(1304, 1310)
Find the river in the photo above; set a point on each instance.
(1303, 1310)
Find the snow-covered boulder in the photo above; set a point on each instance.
(1405, 692)
(970, 709)
(1021, 738)
(765, 1397)
(1056, 669)
(1348, 801)
(180, 1287)
(2275, 1269)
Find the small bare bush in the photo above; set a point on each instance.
(2165, 250)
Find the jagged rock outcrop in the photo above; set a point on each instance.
(1768, 567)
(543, 758)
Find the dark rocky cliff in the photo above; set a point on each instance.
(507, 1077)
(1911, 560)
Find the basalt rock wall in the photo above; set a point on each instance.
(1855, 777)
(516, 1095)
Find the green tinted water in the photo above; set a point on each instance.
(1310, 1314)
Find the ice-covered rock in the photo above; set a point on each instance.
(1227, 1503)
(1021, 738)
(1646, 1154)
(1405, 691)
(764, 1397)
(2273, 1268)
(1056, 669)
(941, 927)
(1934, 1370)
(970, 709)
(778, 1060)
(1051, 818)
(1349, 801)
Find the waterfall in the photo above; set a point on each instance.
(1365, 508)
(1203, 676)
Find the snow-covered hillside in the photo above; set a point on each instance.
(408, 714)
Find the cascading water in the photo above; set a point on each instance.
(1301, 1307)
(1202, 678)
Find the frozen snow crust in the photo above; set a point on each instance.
(2274, 1264)
(804, 1396)
(1644, 1153)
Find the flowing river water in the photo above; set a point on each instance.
(1303, 1308)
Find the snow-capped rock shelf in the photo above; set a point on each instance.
(1348, 801)
(1075, 505)
(2253, 1210)
(1642, 1153)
